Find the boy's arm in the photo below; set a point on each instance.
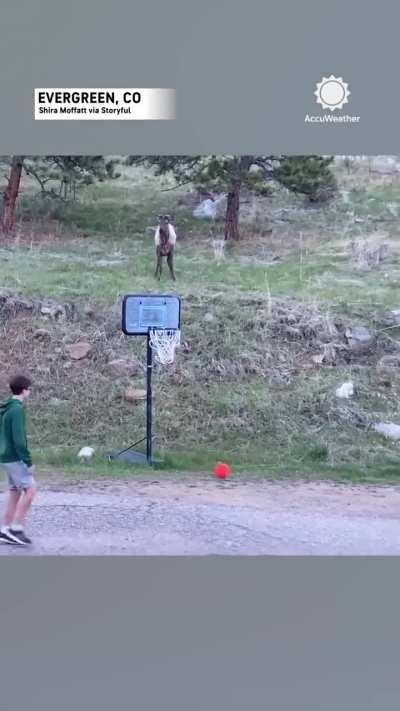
(19, 437)
(157, 237)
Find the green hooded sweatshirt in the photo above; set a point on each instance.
(13, 440)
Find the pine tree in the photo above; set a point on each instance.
(63, 176)
(57, 176)
(307, 175)
(10, 194)
(231, 174)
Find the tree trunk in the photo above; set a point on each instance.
(232, 213)
(11, 195)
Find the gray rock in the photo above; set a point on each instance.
(42, 335)
(359, 337)
(388, 429)
(211, 209)
(53, 310)
(345, 391)
(89, 311)
(122, 367)
(80, 350)
(134, 394)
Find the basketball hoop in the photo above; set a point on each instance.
(163, 342)
(158, 318)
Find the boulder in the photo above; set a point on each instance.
(52, 310)
(328, 356)
(42, 335)
(79, 351)
(206, 210)
(346, 390)
(211, 209)
(89, 311)
(388, 429)
(134, 394)
(122, 368)
(359, 337)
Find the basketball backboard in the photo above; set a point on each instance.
(143, 312)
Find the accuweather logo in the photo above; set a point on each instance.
(332, 93)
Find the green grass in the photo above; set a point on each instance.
(275, 465)
(239, 396)
(326, 278)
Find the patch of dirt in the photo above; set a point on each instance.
(320, 496)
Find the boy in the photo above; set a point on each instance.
(16, 460)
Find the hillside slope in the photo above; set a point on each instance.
(269, 333)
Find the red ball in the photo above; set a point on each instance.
(222, 470)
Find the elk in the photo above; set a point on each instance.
(165, 240)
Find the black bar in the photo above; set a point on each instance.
(131, 446)
(149, 415)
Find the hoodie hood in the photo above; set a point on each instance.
(6, 405)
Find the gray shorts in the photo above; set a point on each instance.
(18, 477)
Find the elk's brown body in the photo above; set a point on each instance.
(165, 243)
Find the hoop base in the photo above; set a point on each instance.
(131, 457)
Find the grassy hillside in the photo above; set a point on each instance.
(245, 385)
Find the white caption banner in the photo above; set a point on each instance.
(104, 104)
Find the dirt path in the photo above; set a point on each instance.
(198, 516)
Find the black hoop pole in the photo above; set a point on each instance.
(149, 414)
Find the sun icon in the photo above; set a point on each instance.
(332, 92)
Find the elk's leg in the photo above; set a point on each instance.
(158, 267)
(170, 261)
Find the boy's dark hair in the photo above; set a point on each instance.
(19, 383)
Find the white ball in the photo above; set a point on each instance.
(86, 453)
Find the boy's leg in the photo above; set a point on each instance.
(21, 479)
(11, 507)
(13, 499)
(23, 506)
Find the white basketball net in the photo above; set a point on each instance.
(163, 342)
